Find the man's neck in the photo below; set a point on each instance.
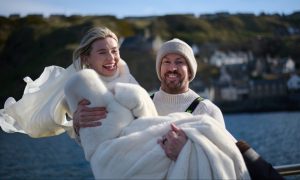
(175, 91)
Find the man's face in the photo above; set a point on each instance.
(174, 73)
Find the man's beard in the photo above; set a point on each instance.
(173, 86)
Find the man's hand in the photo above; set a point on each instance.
(87, 117)
(173, 142)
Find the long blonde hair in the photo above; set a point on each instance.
(85, 46)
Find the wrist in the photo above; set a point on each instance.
(76, 129)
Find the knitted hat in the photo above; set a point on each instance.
(177, 46)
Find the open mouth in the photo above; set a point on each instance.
(110, 67)
(172, 76)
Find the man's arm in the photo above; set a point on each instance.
(87, 117)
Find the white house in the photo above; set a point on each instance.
(294, 82)
(289, 66)
(220, 58)
(229, 93)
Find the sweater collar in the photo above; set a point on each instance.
(108, 79)
(175, 98)
(122, 75)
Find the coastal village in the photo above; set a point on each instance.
(245, 82)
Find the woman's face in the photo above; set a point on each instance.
(104, 56)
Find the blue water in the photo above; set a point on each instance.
(275, 136)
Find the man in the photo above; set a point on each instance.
(176, 67)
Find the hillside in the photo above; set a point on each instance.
(28, 44)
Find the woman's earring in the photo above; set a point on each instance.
(86, 66)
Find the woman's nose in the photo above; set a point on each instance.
(110, 56)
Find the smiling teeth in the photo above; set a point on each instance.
(109, 65)
(172, 75)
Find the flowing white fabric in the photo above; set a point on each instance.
(41, 112)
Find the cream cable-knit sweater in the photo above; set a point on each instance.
(169, 103)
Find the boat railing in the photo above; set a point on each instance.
(288, 170)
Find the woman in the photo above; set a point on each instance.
(42, 110)
(99, 50)
(102, 81)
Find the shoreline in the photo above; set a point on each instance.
(288, 103)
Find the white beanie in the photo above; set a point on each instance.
(177, 46)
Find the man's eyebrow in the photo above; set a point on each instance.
(180, 58)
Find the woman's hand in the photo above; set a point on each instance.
(87, 117)
(173, 142)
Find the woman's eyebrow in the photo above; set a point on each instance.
(102, 49)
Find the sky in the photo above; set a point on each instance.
(125, 8)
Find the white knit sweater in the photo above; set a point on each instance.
(169, 103)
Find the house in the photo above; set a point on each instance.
(220, 58)
(224, 78)
(281, 65)
(267, 88)
(144, 43)
(289, 66)
(260, 68)
(293, 83)
(232, 92)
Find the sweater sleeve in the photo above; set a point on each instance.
(211, 109)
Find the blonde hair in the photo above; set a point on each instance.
(85, 46)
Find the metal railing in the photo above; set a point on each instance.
(288, 170)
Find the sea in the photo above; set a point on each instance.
(274, 135)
